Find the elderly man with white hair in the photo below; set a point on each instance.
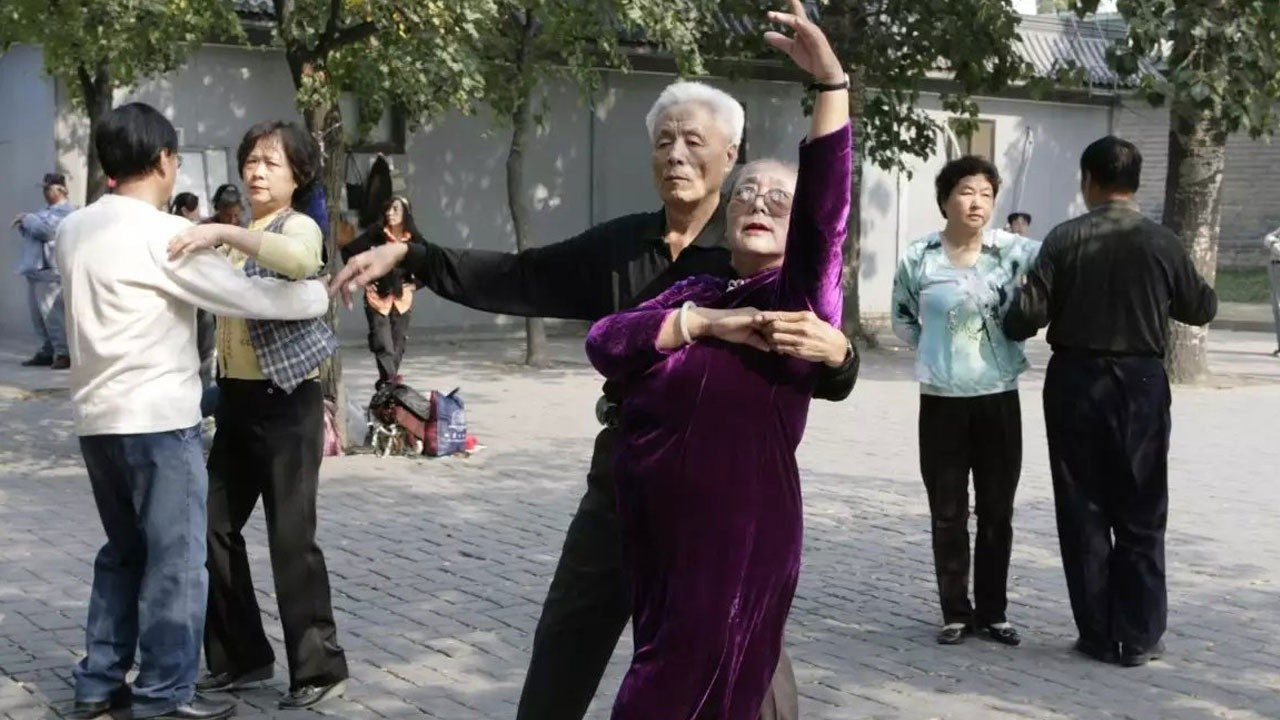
(694, 134)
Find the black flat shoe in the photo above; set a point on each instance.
(38, 360)
(954, 634)
(1135, 657)
(1106, 652)
(305, 697)
(200, 708)
(223, 682)
(117, 707)
(1005, 634)
(92, 710)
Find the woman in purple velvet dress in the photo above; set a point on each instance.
(708, 488)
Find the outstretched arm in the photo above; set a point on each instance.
(569, 279)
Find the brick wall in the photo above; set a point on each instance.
(1250, 192)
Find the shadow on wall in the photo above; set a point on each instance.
(1047, 172)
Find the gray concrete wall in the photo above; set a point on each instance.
(27, 115)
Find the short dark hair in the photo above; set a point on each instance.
(130, 139)
(960, 168)
(1015, 216)
(299, 149)
(1113, 164)
(227, 195)
(184, 201)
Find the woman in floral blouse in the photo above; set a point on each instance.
(948, 297)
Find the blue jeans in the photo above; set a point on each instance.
(48, 318)
(150, 586)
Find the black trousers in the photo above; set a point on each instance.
(982, 435)
(587, 609)
(386, 340)
(269, 443)
(1107, 421)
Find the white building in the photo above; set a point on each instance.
(590, 163)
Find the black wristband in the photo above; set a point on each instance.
(829, 87)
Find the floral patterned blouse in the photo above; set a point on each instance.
(951, 315)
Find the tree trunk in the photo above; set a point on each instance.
(98, 92)
(1192, 208)
(518, 202)
(325, 124)
(852, 324)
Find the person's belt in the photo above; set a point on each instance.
(1091, 353)
(607, 412)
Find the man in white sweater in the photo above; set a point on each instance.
(135, 385)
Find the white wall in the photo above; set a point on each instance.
(26, 154)
(897, 209)
(590, 163)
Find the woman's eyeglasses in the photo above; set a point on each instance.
(776, 201)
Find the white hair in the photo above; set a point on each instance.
(727, 111)
(750, 169)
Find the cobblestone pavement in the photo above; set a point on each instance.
(439, 567)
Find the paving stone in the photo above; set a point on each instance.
(439, 567)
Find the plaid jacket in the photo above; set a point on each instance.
(287, 350)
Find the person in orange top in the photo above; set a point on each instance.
(388, 302)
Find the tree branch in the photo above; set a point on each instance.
(352, 35)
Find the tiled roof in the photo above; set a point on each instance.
(1051, 43)
(255, 8)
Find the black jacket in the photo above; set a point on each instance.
(393, 282)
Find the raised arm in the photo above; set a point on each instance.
(812, 264)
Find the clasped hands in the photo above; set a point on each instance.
(800, 334)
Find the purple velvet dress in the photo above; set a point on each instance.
(708, 488)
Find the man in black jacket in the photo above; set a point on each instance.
(1106, 284)
(694, 132)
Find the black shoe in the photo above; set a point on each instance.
(62, 362)
(116, 707)
(1134, 657)
(1005, 634)
(1106, 652)
(222, 682)
(305, 697)
(200, 708)
(954, 634)
(38, 360)
(93, 710)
